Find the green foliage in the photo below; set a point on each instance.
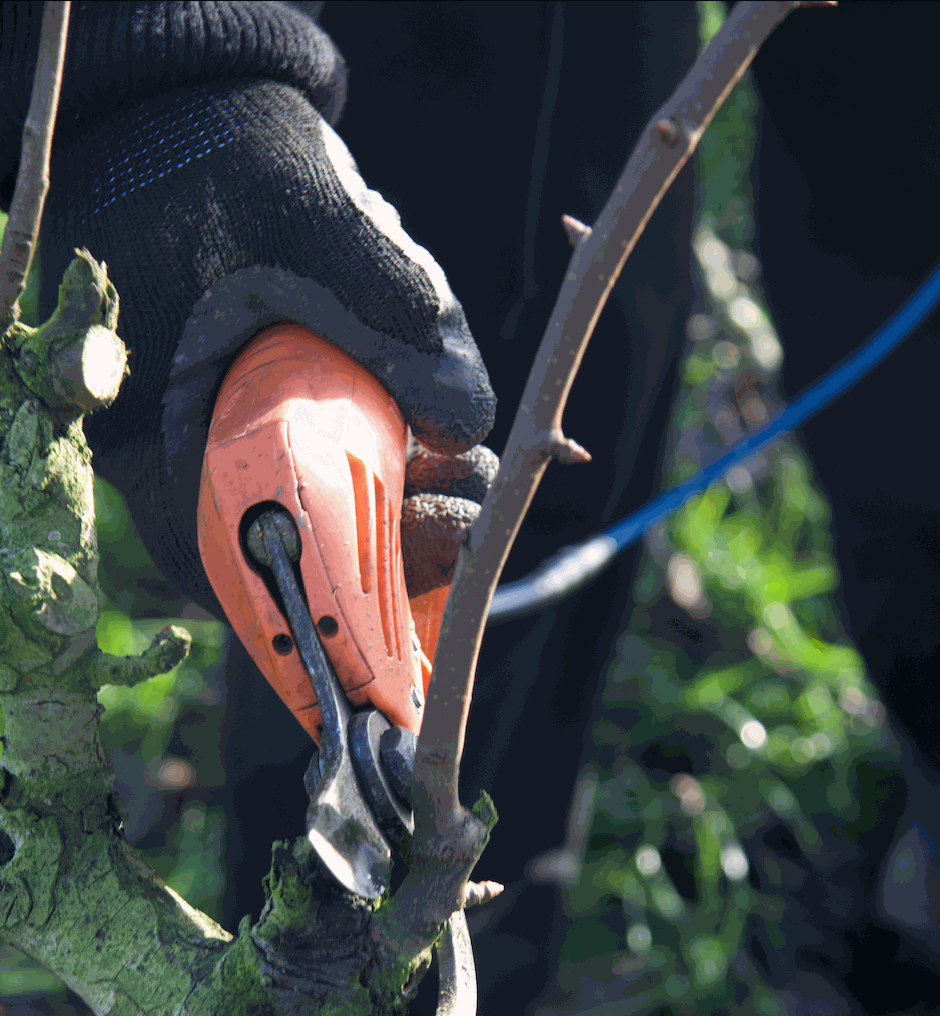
(172, 721)
(191, 862)
(765, 713)
(20, 976)
(131, 582)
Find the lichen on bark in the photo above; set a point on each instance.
(74, 894)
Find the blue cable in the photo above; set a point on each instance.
(571, 567)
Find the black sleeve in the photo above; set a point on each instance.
(120, 54)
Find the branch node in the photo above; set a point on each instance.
(74, 361)
(88, 373)
(476, 893)
(576, 229)
(668, 132)
(570, 452)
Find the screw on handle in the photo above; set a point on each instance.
(284, 525)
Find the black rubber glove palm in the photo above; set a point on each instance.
(194, 154)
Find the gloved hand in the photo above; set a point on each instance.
(443, 495)
(194, 153)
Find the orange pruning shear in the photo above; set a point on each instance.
(299, 532)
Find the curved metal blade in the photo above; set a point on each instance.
(340, 826)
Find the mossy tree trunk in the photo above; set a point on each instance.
(73, 893)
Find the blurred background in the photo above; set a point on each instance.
(704, 805)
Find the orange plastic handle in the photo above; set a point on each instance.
(427, 611)
(299, 423)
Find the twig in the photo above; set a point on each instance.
(170, 647)
(475, 893)
(536, 435)
(32, 182)
(443, 826)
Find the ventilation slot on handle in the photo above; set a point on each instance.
(383, 553)
(396, 573)
(365, 521)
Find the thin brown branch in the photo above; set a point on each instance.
(443, 827)
(536, 435)
(32, 183)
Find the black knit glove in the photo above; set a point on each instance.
(197, 161)
(443, 494)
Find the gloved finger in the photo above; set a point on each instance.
(433, 526)
(468, 475)
(442, 498)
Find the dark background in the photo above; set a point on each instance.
(464, 117)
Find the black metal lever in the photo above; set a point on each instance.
(340, 824)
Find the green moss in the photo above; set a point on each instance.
(485, 811)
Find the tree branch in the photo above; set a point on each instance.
(170, 647)
(19, 238)
(449, 839)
